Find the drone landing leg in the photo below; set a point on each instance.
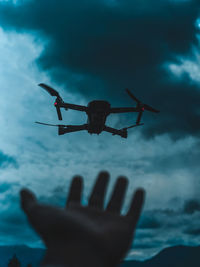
(69, 129)
(122, 133)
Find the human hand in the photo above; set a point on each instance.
(90, 235)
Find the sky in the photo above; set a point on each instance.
(94, 50)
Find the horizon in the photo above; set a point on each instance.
(126, 259)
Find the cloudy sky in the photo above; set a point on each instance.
(93, 50)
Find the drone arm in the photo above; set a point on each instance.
(123, 110)
(73, 106)
(72, 128)
(122, 133)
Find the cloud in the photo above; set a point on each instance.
(6, 161)
(13, 225)
(193, 232)
(98, 48)
(191, 206)
(149, 223)
(167, 169)
(170, 160)
(161, 228)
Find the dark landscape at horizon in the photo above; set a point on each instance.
(178, 256)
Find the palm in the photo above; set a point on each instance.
(77, 230)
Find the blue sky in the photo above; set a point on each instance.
(163, 157)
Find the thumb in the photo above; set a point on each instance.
(28, 199)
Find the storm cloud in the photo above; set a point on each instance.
(159, 228)
(90, 50)
(191, 206)
(7, 161)
(97, 48)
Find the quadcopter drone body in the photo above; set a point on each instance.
(97, 112)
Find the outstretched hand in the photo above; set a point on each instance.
(85, 235)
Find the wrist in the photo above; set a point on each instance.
(75, 255)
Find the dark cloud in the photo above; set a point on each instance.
(4, 187)
(193, 232)
(159, 228)
(191, 206)
(185, 158)
(99, 48)
(6, 161)
(149, 222)
(13, 225)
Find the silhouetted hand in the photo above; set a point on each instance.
(85, 236)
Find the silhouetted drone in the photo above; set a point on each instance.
(97, 112)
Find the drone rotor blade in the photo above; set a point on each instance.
(132, 96)
(49, 89)
(149, 108)
(140, 104)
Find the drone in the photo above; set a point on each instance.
(97, 112)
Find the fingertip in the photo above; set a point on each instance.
(97, 196)
(139, 197)
(123, 180)
(27, 199)
(140, 194)
(104, 177)
(104, 174)
(75, 191)
(136, 204)
(27, 194)
(77, 180)
(118, 194)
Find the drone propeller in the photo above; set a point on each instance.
(49, 89)
(53, 92)
(132, 96)
(140, 104)
(149, 108)
(142, 107)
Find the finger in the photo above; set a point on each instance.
(98, 193)
(28, 199)
(117, 197)
(136, 206)
(75, 191)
